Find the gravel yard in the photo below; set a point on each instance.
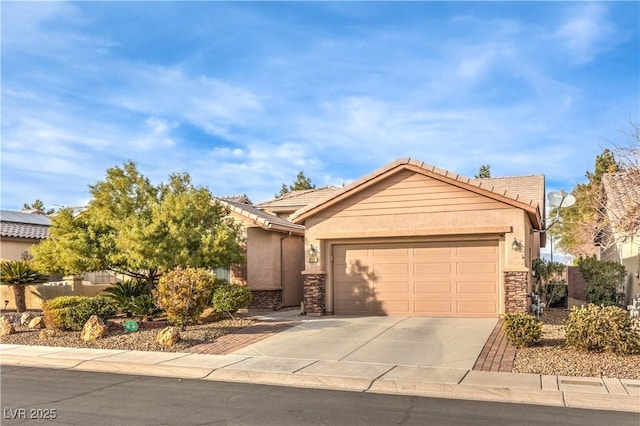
(550, 357)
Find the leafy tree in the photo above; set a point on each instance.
(548, 280)
(484, 172)
(18, 274)
(39, 206)
(302, 182)
(604, 280)
(140, 230)
(579, 224)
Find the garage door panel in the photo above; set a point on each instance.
(443, 278)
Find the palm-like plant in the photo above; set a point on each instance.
(18, 274)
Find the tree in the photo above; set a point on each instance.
(580, 222)
(484, 172)
(302, 182)
(18, 274)
(39, 206)
(134, 228)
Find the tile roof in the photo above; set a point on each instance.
(23, 225)
(296, 199)
(241, 198)
(261, 218)
(488, 186)
(622, 192)
(529, 186)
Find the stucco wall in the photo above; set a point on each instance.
(36, 294)
(12, 249)
(263, 259)
(628, 254)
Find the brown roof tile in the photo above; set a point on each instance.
(622, 192)
(297, 199)
(261, 218)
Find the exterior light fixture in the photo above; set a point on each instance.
(516, 245)
(313, 251)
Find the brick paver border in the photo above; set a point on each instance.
(498, 354)
(243, 337)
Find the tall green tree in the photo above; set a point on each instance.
(579, 224)
(484, 172)
(38, 205)
(141, 230)
(302, 182)
(18, 274)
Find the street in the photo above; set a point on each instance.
(50, 396)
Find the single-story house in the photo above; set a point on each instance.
(620, 197)
(21, 230)
(413, 239)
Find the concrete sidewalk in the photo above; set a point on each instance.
(455, 383)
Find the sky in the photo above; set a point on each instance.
(244, 95)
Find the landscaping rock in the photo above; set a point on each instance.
(168, 336)
(94, 329)
(6, 327)
(37, 322)
(209, 315)
(47, 333)
(26, 317)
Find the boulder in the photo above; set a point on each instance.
(94, 329)
(47, 333)
(37, 322)
(209, 315)
(168, 336)
(6, 327)
(26, 317)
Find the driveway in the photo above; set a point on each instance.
(421, 341)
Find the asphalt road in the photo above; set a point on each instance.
(34, 396)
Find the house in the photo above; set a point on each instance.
(620, 198)
(413, 239)
(21, 230)
(290, 202)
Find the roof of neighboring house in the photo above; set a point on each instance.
(486, 187)
(529, 186)
(294, 200)
(261, 218)
(24, 225)
(622, 191)
(241, 198)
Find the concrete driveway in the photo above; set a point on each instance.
(419, 341)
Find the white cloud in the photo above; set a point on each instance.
(584, 30)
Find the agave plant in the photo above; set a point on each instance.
(144, 306)
(124, 295)
(18, 274)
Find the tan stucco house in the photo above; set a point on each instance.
(413, 239)
(19, 231)
(620, 195)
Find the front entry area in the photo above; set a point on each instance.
(453, 279)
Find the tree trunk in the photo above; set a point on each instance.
(19, 295)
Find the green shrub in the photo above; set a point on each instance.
(184, 293)
(144, 306)
(522, 329)
(79, 314)
(55, 310)
(602, 328)
(227, 299)
(555, 292)
(603, 278)
(123, 295)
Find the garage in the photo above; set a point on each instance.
(457, 279)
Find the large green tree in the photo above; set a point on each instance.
(484, 172)
(302, 182)
(39, 206)
(579, 226)
(141, 230)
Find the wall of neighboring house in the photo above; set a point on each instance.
(628, 254)
(14, 248)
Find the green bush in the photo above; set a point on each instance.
(522, 329)
(79, 314)
(227, 299)
(603, 278)
(184, 293)
(55, 310)
(123, 295)
(144, 306)
(602, 328)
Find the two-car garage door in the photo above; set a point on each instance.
(422, 279)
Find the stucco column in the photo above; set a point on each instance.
(315, 292)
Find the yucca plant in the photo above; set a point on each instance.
(18, 274)
(124, 294)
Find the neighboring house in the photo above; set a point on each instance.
(21, 230)
(290, 202)
(620, 196)
(413, 239)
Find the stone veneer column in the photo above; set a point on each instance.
(516, 286)
(315, 292)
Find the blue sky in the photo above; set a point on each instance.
(244, 95)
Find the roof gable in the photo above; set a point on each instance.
(261, 218)
(484, 187)
(294, 200)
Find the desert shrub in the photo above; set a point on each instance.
(55, 310)
(227, 299)
(79, 314)
(555, 292)
(602, 328)
(603, 278)
(522, 329)
(144, 306)
(123, 294)
(183, 294)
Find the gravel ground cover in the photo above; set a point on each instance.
(551, 357)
